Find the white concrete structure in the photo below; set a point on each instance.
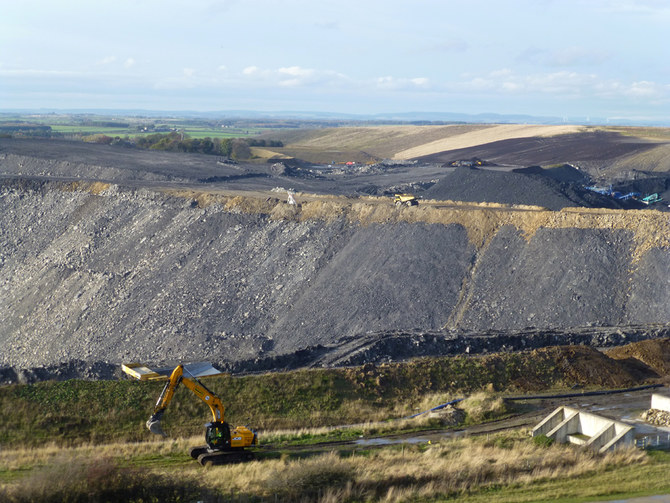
(660, 402)
(566, 424)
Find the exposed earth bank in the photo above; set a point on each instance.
(102, 273)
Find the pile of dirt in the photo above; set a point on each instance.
(593, 150)
(565, 173)
(110, 272)
(651, 354)
(107, 273)
(586, 366)
(519, 187)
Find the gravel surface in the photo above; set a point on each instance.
(131, 274)
(553, 190)
(560, 277)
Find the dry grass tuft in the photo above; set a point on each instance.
(649, 228)
(74, 479)
(451, 468)
(97, 187)
(321, 210)
(483, 406)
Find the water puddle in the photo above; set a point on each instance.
(425, 439)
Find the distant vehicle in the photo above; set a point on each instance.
(651, 199)
(405, 200)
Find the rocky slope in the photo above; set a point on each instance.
(98, 272)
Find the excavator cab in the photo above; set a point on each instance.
(217, 435)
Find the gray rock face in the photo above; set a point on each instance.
(131, 275)
(649, 298)
(134, 275)
(560, 278)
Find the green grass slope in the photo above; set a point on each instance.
(75, 412)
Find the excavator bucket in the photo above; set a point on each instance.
(154, 424)
(155, 427)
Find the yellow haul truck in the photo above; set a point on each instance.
(405, 200)
(224, 444)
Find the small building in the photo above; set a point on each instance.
(602, 434)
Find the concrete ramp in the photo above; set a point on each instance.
(601, 434)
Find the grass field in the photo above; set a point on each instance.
(503, 468)
(134, 126)
(77, 412)
(86, 441)
(192, 131)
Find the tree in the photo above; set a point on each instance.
(240, 149)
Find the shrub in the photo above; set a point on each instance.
(483, 407)
(543, 441)
(309, 477)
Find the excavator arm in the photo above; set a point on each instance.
(191, 382)
(225, 445)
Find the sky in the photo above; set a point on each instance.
(565, 58)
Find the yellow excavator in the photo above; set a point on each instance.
(225, 445)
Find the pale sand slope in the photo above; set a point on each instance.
(483, 136)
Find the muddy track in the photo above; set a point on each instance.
(617, 404)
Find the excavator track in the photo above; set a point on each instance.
(197, 451)
(225, 457)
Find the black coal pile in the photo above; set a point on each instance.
(553, 189)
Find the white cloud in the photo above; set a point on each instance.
(129, 63)
(563, 84)
(106, 60)
(563, 57)
(295, 76)
(644, 89)
(188, 72)
(299, 76)
(296, 71)
(401, 83)
(502, 73)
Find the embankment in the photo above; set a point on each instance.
(97, 272)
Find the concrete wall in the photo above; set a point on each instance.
(550, 422)
(604, 434)
(660, 402)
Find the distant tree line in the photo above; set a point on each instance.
(114, 124)
(24, 129)
(235, 148)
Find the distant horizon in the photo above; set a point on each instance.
(319, 115)
(599, 61)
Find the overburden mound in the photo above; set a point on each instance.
(98, 272)
(553, 188)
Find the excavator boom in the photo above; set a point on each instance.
(200, 390)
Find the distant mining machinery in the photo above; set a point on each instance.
(405, 200)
